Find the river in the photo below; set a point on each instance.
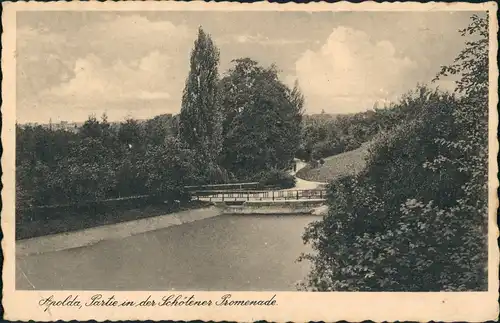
(229, 252)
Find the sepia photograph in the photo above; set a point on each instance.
(249, 151)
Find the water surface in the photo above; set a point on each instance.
(228, 252)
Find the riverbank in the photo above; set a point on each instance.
(279, 207)
(81, 238)
(94, 235)
(61, 221)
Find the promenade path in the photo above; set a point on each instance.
(302, 184)
(308, 185)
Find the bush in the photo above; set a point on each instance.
(402, 224)
(303, 153)
(214, 174)
(330, 148)
(416, 219)
(351, 144)
(99, 162)
(325, 149)
(276, 178)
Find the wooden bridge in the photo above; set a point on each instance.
(254, 195)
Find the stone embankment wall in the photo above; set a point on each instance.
(76, 239)
(274, 207)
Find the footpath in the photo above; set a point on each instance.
(302, 184)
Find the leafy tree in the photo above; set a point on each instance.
(107, 132)
(262, 119)
(131, 133)
(60, 167)
(326, 135)
(471, 118)
(169, 167)
(200, 120)
(91, 128)
(416, 218)
(275, 178)
(159, 128)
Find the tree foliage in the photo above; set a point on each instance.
(261, 129)
(100, 161)
(416, 218)
(326, 135)
(200, 120)
(103, 160)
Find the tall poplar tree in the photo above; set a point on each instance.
(200, 121)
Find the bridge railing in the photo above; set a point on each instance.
(224, 187)
(259, 195)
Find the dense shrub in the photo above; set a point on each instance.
(400, 225)
(326, 148)
(325, 135)
(100, 162)
(275, 178)
(416, 218)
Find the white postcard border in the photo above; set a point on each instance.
(290, 306)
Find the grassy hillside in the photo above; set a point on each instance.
(336, 166)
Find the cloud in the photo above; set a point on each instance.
(135, 31)
(259, 39)
(118, 62)
(350, 72)
(96, 82)
(146, 95)
(111, 59)
(26, 36)
(70, 63)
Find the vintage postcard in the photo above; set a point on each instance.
(244, 162)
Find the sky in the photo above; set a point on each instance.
(134, 64)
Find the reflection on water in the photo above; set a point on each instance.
(223, 253)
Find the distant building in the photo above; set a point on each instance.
(29, 124)
(63, 125)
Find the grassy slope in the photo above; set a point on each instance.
(336, 166)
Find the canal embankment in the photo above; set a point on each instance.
(90, 236)
(81, 238)
(278, 207)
